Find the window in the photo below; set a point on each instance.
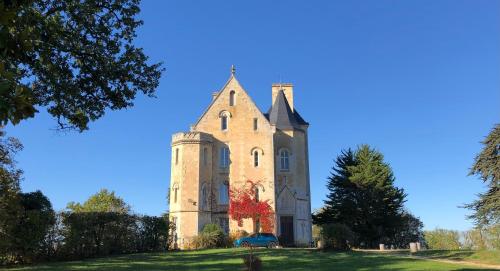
(255, 158)
(205, 156)
(223, 123)
(175, 194)
(255, 124)
(284, 160)
(204, 198)
(224, 157)
(176, 156)
(231, 98)
(223, 193)
(257, 194)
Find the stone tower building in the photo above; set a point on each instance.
(232, 142)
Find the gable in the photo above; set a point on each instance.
(243, 107)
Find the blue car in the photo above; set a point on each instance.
(257, 240)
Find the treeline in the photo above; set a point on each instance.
(31, 231)
(37, 233)
(485, 238)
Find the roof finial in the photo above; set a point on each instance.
(233, 70)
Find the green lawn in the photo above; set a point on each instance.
(230, 259)
(480, 256)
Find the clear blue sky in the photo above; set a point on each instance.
(418, 80)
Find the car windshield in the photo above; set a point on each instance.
(253, 235)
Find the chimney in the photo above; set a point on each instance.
(287, 89)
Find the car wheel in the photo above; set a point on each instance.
(245, 244)
(272, 245)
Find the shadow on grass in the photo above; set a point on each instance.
(230, 259)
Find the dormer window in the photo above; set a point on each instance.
(231, 98)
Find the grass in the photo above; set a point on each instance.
(480, 256)
(230, 259)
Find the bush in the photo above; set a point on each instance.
(211, 236)
(235, 235)
(336, 236)
(442, 239)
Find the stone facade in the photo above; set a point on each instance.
(232, 142)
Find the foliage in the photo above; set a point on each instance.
(10, 177)
(486, 237)
(25, 218)
(102, 201)
(411, 230)
(337, 236)
(316, 232)
(38, 234)
(442, 239)
(487, 166)
(235, 235)
(244, 204)
(26, 238)
(92, 234)
(211, 236)
(76, 58)
(152, 233)
(362, 195)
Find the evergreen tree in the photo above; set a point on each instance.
(487, 166)
(363, 197)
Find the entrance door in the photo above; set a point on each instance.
(286, 229)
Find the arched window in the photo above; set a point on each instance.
(223, 123)
(231, 98)
(255, 158)
(224, 120)
(284, 160)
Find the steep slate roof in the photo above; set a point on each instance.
(282, 116)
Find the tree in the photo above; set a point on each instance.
(362, 195)
(410, 230)
(442, 239)
(103, 201)
(245, 203)
(76, 58)
(487, 166)
(10, 177)
(31, 228)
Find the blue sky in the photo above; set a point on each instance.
(418, 80)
